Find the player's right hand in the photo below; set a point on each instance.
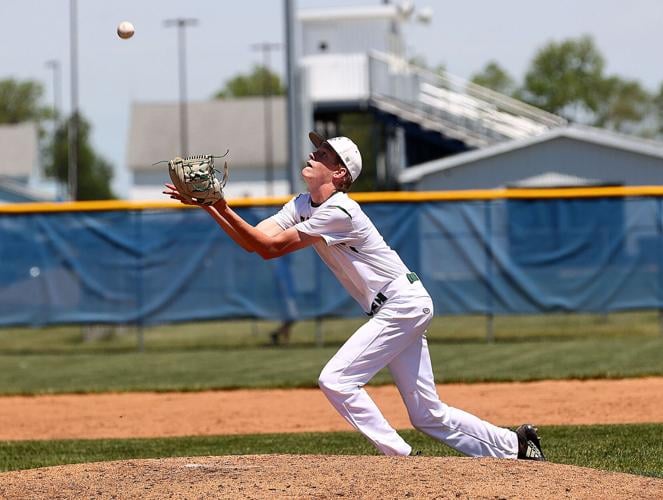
(171, 191)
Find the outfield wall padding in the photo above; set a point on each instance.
(128, 263)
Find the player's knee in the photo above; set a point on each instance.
(330, 381)
(425, 416)
(327, 381)
(422, 421)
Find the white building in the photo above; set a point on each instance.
(236, 126)
(20, 175)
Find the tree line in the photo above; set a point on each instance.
(567, 78)
(22, 101)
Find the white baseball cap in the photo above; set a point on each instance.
(345, 149)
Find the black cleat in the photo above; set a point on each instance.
(529, 445)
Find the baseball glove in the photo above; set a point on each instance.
(195, 178)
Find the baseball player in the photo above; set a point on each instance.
(393, 296)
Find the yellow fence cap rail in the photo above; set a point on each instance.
(373, 197)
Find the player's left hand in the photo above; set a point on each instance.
(194, 178)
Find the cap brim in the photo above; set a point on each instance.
(316, 139)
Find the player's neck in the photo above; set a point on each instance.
(322, 194)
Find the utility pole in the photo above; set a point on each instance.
(266, 48)
(294, 121)
(181, 24)
(72, 131)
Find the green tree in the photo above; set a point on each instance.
(259, 82)
(94, 173)
(440, 69)
(359, 126)
(20, 102)
(496, 78)
(566, 78)
(419, 61)
(658, 108)
(625, 104)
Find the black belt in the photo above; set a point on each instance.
(380, 298)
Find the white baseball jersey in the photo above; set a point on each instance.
(353, 248)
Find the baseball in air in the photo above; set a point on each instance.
(125, 30)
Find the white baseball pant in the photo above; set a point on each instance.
(395, 337)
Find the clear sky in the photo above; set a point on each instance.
(463, 35)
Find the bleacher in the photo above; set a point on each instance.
(455, 107)
(354, 60)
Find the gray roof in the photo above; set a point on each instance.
(581, 133)
(16, 192)
(19, 149)
(215, 126)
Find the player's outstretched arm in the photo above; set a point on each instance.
(265, 240)
(234, 235)
(171, 191)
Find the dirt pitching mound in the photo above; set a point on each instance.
(297, 476)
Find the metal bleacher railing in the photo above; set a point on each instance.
(451, 105)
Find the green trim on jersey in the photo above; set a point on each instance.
(341, 208)
(412, 277)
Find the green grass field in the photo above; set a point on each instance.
(617, 447)
(236, 354)
(225, 368)
(249, 333)
(228, 355)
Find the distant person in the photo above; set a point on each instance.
(399, 307)
(281, 334)
(286, 287)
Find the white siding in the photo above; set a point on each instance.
(20, 150)
(337, 77)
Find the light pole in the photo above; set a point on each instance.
(181, 24)
(54, 65)
(266, 49)
(294, 121)
(72, 132)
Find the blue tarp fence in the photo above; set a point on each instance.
(493, 256)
